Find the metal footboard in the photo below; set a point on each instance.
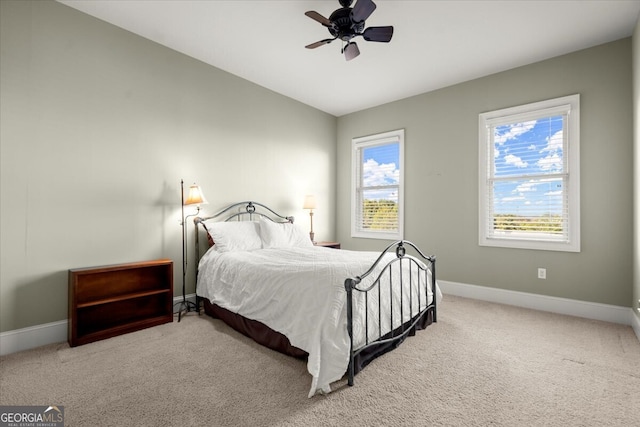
(401, 266)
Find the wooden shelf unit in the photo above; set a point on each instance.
(116, 299)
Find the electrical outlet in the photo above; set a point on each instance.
(542, 273)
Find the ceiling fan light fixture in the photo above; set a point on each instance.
(351, 51)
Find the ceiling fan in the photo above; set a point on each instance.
(347, 22)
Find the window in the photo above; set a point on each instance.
(530, 176)
(377, 186)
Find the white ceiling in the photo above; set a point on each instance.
(435, 44)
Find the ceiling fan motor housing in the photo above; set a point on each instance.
(343, 27)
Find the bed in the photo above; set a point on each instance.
(337, 309)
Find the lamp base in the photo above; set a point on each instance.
(311, 236)
(186, 306)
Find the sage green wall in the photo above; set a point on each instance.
(99, 126)
(441, 176)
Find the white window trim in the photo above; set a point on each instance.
(371, 140)
(524, 112)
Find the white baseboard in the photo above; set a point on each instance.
(635, 324)
(48, 333)
(32, 337)
(589, 310)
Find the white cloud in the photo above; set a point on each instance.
(513, 199)
(510, 159)
(514, 131)
(379, 174)
(527, 186)
(554, 142)
(551, 162)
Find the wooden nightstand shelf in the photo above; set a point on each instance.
(116, 299)
(334, 245)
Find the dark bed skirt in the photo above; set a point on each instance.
(366, 355)
(259, 332)
(264, 335)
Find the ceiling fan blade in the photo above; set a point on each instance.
(317, 17)
(378, 34)
(362, 10)
(351, 51)
(319, 43)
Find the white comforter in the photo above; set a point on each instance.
(298, 292)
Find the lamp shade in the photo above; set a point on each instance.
(309, 202)
(195, 196)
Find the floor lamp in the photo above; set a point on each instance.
(195, 197)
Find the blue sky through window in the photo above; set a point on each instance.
(526, 154)
(380, 168)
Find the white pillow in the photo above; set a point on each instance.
(234, 235)
(282, 235)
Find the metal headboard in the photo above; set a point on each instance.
(240, 211)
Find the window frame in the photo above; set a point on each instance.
(567, 105)
(357, 145)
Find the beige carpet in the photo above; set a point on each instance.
(481, 364)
